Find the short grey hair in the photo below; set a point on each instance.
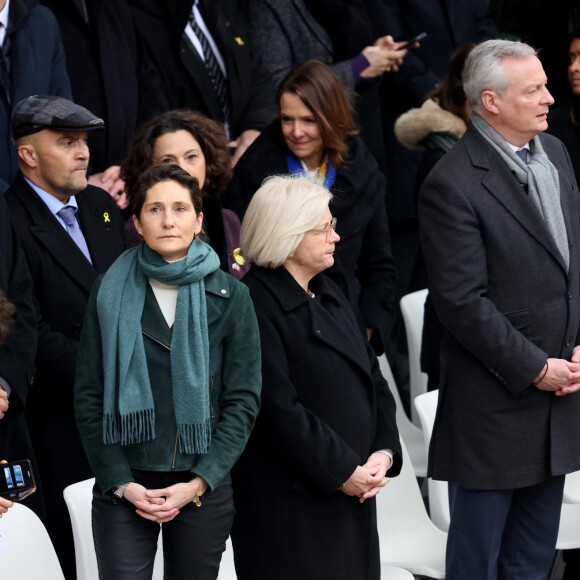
(278, 216)
(484, 70)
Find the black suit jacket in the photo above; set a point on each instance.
(502, 290)
(62, 276)
(185, 78)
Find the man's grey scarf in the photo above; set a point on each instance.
(541, 178)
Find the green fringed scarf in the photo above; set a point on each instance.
(128, 408)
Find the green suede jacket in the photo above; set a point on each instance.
(235, 384)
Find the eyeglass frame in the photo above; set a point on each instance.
(327, 229)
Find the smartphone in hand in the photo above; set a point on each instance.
(16, 480)
(412, 41)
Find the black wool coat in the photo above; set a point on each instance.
(325, 409)
(62, 278)
(363, 268)
(508, 302)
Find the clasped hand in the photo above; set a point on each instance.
(562, 377)
(163, 505)
(368, 479)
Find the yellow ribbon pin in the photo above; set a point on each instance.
(239, 41)
(106, 216)
(238, 257)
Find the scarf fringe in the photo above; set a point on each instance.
(194, 439)
(130, 428)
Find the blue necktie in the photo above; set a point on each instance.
(523, 155)
(67, 214)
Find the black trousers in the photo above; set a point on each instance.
(505, 534)
(193, 542)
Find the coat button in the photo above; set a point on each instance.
(223, 291)
(569, 295)
(567, 343)
(317, 332)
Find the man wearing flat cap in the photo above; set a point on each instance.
(70, 233)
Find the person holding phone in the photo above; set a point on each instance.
(18, 338)
(5, 504)
(166, 391)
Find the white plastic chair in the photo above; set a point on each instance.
(408, 539)
(410, 433)
(426, 405)
(26, 552)
(572, 488)
(413, 308)
(227, 567)
(390, 573)
(569, 530)
(79, 498)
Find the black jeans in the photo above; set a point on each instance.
(193, 542)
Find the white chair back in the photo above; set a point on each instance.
(79, 500)
(390, 573)
(26, 552)
(426, 405)
(408, 539)
(410, 433)
(413, 308)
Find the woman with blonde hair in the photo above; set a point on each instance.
(325, 438)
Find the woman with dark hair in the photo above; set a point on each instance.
(564, 121)
(199, 146)
(435, 128)
(166, 391)
(326, 440)
(340, 33)
(314, 135)
(441, 121)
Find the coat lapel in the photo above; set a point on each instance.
(332, 325)
(48, 231)
(504, 186)
(216, 289)
(99, 226)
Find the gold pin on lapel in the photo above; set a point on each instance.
(239, 41)
(106, 216)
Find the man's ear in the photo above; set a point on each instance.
(489, 101)
(27, 154)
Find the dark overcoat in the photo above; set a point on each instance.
(325, 409)
(110, 73)
(17, 353)
(502, 290)
(37, 67)
(363, 264)
(185, 79)
(62, 279)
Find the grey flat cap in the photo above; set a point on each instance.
(45, 112)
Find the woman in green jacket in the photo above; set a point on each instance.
(166, 391)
